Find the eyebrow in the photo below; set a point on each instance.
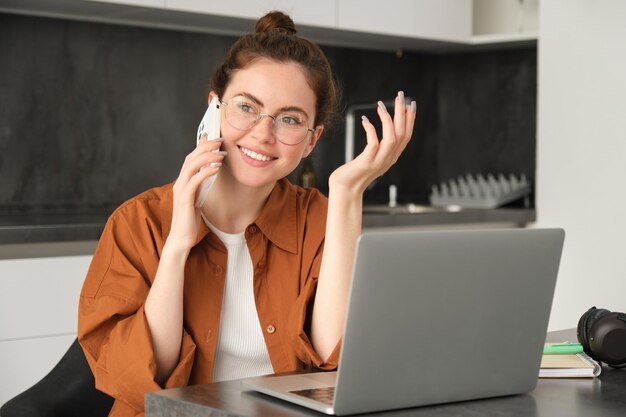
(282, 109)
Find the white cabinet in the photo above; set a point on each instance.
(467, 22)
(320, 13)
(388, 24)
(38, 317)
(448, 20)
(501, 20)
(141, 3)
(25, 361)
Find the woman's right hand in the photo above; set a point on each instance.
(164, 304)
(186, 217)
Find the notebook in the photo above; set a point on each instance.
(436, 317)
(572, 365)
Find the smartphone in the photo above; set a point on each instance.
(210, 124)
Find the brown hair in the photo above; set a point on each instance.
(275, 38)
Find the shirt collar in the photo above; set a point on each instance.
(277, 221)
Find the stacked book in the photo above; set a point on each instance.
(567, 360)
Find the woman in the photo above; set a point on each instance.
(256, 280)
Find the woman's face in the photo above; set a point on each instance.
(256, 157)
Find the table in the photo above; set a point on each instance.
(604, 396)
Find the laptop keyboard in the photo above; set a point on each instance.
(324, 395)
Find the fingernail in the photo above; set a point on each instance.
(382, 106)
(365, 119)
(401, 96)
(215, 164)
(413, 106)
(216, 139)
(223, 153)
(203, 136)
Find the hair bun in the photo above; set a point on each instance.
(276, 22)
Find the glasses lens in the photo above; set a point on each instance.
(241, 114)
(290, 128)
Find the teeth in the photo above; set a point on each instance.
(255, 155)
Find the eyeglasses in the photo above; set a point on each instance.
(290, 127)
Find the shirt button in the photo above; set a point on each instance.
(260, 265)
(252, 229)
(218, 270)
(270, 329)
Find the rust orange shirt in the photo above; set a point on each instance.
(286, 243)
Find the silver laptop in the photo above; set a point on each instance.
(436, 317)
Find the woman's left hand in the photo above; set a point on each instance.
(378, 155)
(343, 224)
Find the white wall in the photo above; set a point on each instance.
(581, 151)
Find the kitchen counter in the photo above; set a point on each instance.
(16, 229)
(438, 218)
(601, 397)
(21, 229)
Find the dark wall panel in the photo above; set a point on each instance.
(92, 114)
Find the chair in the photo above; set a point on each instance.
(67, 391)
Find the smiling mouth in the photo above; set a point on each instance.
(255, 156)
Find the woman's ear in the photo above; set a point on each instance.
(211, 95)
(313, 141)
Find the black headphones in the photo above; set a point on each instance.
(603, 336)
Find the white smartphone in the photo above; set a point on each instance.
(210, 124)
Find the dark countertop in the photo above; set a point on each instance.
(19, 229)
(29, 228)
(602, 396)
(513, 217)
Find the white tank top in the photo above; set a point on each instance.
(241, 350)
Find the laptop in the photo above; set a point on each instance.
(436, 317)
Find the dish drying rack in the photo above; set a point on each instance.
(479, 191)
